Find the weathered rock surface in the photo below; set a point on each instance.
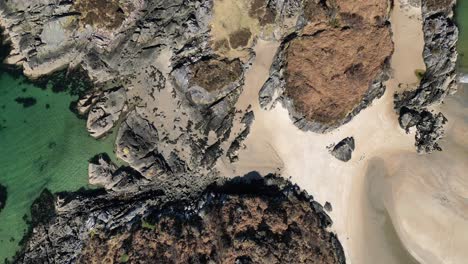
(103, 172)
(3, 196)
(439, 80)
(246, 220)
(334, 67)
(153, 68)
(233, 150)
(105, 112)
(344, 149)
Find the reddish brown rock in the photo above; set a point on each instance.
(342, 50)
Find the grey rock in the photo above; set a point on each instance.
(136, 144)
(272, 92)
(103, 172)
(106, 112)
(439, 80)
(3, 197)
(344, 149)
(233, 150)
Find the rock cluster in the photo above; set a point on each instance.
(3, 197)
(250, 219)
(439, 80)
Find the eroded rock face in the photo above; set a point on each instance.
(335, 66)
(439, 80)
(103, 13)
(246, 220)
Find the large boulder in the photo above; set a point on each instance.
(344, 149)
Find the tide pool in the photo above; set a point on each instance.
(42, 145)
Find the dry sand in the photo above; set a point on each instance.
(382, 210)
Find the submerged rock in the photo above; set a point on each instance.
(344, 149)
(3, 196)
(26, 102)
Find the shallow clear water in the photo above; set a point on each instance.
(40, 148)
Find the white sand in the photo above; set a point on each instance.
(362, 195)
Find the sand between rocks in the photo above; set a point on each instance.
(378, 205)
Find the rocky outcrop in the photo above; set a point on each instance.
(235, 146)
(245, 220)
(3, 197)
(439, 80)
(103, 172)
(105, 112)
(344, 149)
(332, 68)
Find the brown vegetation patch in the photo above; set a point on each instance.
(229, 229)
(240, 38)
(317, 10)
(107, 14)
(213, 74)
(330, 68)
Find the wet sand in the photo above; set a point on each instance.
(370, 216)
(427, 195)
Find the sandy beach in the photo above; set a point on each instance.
(378, 205)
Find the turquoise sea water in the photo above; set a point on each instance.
(41, 146)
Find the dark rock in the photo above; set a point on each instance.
(106, 112)
(43, 208)
(429, 131)
(233, 150)
(344, 149)
(26, 101)
(328, 207)
(3, 196)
